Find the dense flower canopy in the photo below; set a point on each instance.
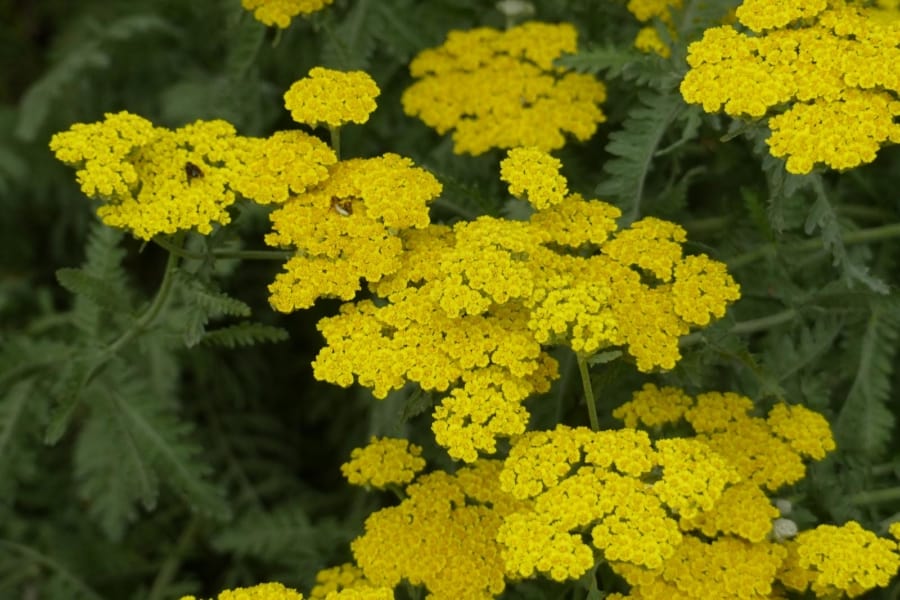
(825, 74)
(499, 89)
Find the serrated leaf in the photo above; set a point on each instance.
(97, 290)
(244, 334)
(602, 358)
(609, 59)
(634, 147)
(864, 423)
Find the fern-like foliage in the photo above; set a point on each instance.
(94, 53)
(634, 148)
(865, 423)
(284, 535)
(244, 334)
(131, 442)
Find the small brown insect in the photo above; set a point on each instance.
(342, 206)
(192, 171)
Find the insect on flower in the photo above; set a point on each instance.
(192, 171)
(342, 206)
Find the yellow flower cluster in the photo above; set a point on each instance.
(614, 483)
(833, 65)
(648, 39)
(153, 180)
(441, 536)
(280, 12)
(347, 228)
(768, 452)
(499, 89)
(263, 591)
(469, 307)
(347, 582)
(384, 461)
(832, 561)
(534, 175)
(332, 97)
(674, 517)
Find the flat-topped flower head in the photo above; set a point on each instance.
(283, 165)
(332, 97)
(534, 175)
(824, 74)
(348, 228)
(263, 591)
(499, 89)
(836, 560)
(280, 12)
(153, 180)
(384, 461)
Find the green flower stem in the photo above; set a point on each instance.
(173, 562)
(588, 392)
(876, 496)
(142, 322)
(745, 327)
(862, 236)
(335, 140)
(279, 255)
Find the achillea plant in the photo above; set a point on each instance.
(509, 355)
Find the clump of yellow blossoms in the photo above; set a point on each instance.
(469, 307)
(823, 73)
(332, 97)
(280, 12)
(153, 180)
(768, 452)
(441, 536)
(263, 591)
(383, 462)
(832, 561)
(499, 89)
(348, 228)
(648, 39)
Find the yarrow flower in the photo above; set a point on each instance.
(263, 591)
(469, 308)
(332, 97)
(833, 560)
(535, 175)
(832, 65)
(648, 39)
(769, 452)
(153, 180)
(499, 89)
(280, 12)
(384, 461)
(348, 228)
(441, 536)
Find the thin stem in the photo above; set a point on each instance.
(173, 562)
(588, 392)
(279, 255)
(335, 140)
(861, 236)
(876, 496)
(745, 327)
(180, 252)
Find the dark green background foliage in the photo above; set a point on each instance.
(191, 452)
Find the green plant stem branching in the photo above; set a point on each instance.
(862, 236)
(588, 392)
(746, 327)
(173, 561)
(279, 255)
